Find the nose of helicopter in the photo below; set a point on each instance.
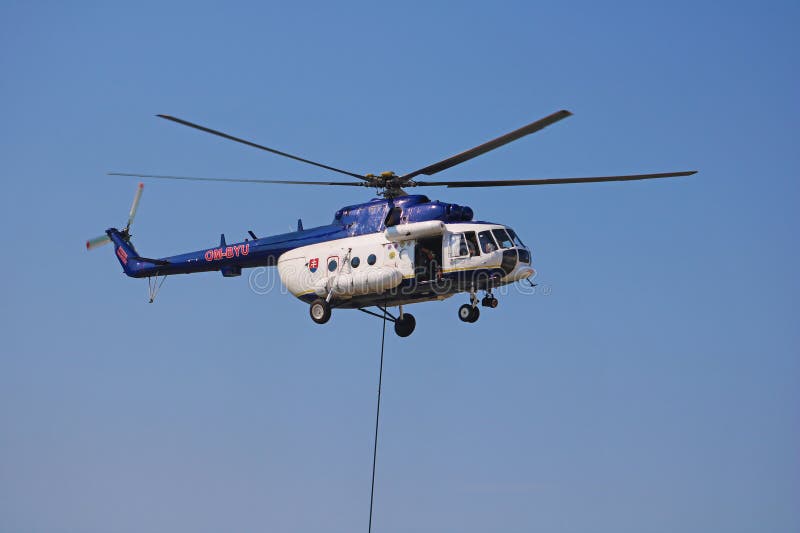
(517, 264)
(519, 273)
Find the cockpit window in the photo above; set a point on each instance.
(515, 237)
(502, 238)
(487, 242)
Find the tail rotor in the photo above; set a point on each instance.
(91, 244)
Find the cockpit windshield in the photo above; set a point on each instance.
(502, 238)
(515, 237)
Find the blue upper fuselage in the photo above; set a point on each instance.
(349, 221)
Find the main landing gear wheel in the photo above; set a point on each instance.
(468, 313)
(320, 311)
(404, 326)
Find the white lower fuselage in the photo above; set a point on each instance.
(406, 264)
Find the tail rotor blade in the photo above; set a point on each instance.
(134, 205)
(91, 244)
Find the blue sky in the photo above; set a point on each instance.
(654, 387)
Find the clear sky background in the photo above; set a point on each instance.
(653, 387)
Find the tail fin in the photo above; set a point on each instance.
(126, 254)
(132, 263)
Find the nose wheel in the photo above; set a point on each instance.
(489, 301)
(468, 313)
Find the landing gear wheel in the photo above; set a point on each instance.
(489, 301)
(405, 326)
(466, 313)
(320, 311)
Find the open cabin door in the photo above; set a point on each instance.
(428, 258)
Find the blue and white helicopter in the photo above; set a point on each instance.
(395, 250)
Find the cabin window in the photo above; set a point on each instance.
(332, 264)
(371, 259)
(514, 237)
(502, 238)
(354, 262)
(458, 245)
(487, 242)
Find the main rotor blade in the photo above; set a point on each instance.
(242, 180)
(490, 145)
(259, 146)
(549, 181)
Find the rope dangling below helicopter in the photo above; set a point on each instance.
(377, 423)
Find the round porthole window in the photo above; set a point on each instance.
(332, 265)
(371, 259)
(354, 262)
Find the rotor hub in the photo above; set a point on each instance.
(387, 182)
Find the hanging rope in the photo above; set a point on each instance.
(377, 420)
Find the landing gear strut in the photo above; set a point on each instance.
(404, 324)
(320, 309)
(154, 285)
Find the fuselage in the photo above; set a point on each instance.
(361, 257)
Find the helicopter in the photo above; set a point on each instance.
(392, 251)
